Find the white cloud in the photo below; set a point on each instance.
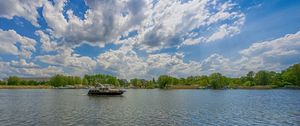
(71, 62)
(170, 23)
(23, 69)
(54, 16)
(174, 65)
(23, 64)
(22, 8)
(124, 62)
(42, 72)
(159, 24)
(222, 32)
(47, 43)
(102, 24)
(216, 63)
(6, 70)
(10, 38)
(289, 44)
(272, 55)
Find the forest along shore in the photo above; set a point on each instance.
(263, 79)
(175, 87)
(24, 87)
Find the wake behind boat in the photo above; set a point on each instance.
(105, 90)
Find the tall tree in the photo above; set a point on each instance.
(13, 80)
(217, 81)
(292, 75)
(163, 81)
(262, 78)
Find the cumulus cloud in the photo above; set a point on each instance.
(136, 26)
(123, 62)
(23, 64)
(274, 54)
(176, 23)
(10, 38)
(23, 69)
(267, 55)
(172, 65)
(159, 24)
(126, 63)
(22, 8)
(48, 44)
(287, 45)
(103, 22)
(216, 63)
(70, 61)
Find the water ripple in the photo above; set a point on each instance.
(150, 107)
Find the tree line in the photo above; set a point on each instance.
(287, 77)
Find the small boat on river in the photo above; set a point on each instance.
(105, 90)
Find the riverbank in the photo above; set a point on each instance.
(185, 87)
(257, 87)
(236, 87)
(41, 87)
(24, 87)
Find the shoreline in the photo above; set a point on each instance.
(182, 87)
(24, 87)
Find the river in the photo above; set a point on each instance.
(149, 107)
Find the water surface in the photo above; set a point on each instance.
(150, 107)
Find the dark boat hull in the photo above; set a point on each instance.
(97, 92)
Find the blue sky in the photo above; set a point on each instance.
(147, 38)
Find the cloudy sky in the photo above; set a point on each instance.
(147, 38)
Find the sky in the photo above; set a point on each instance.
(147, 38)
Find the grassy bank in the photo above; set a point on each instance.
(237, 87)
(262, 87)
(291, 87)
(258, 87)
(184, 87)
(24, 87)
(41, 87)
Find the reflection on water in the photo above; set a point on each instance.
(150, 107)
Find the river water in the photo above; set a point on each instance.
(150, 107)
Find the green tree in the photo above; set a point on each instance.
(2, 82)
(292, 75)
(58, 80)
(217, 81)
(85, 81)
(262, 78)
(13, 80)
(149, 84)
(32, 82)
(163, 81)
(77, 80)
(123, 82)
(136, 83)
(182, 81)
(250, 76)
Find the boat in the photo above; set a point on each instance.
(105, 90)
